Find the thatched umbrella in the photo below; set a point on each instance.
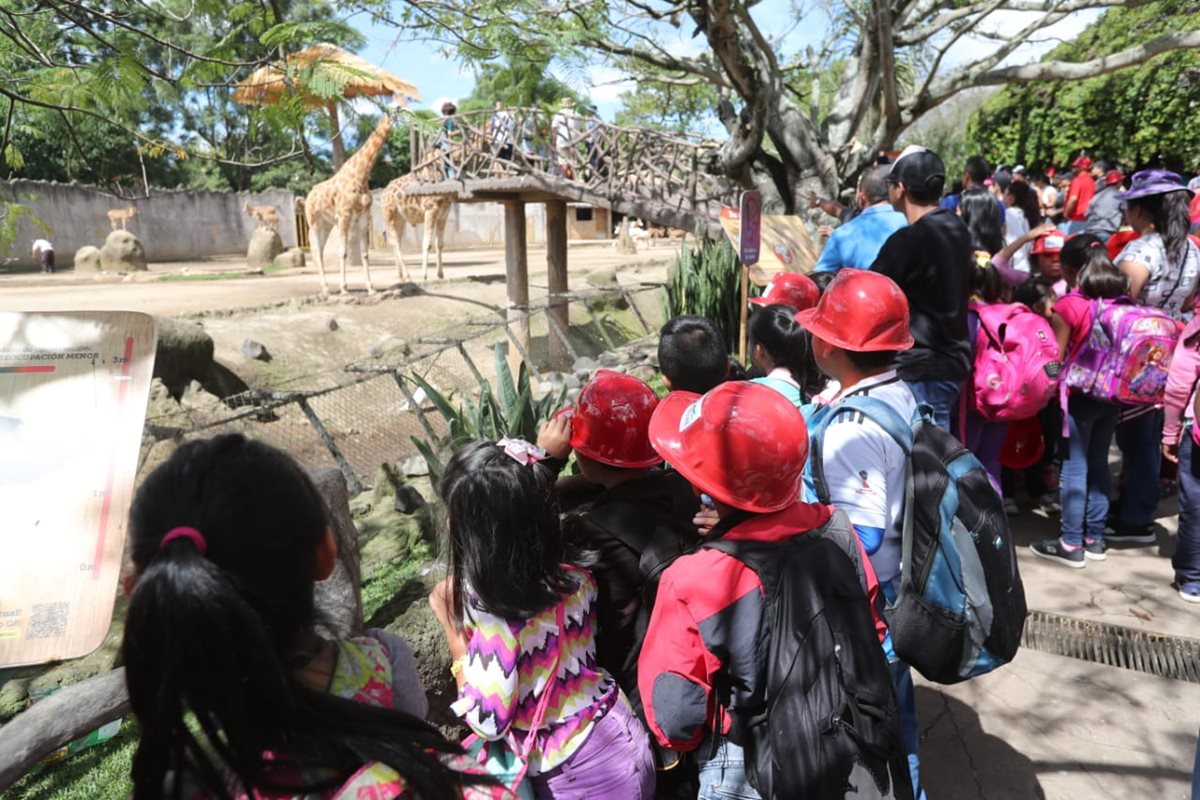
(349, 75)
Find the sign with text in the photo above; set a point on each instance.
(750, 234)
(73, 392)
(786, 245)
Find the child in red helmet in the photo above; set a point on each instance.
(858, 327)
(701, 671)
(626, 535)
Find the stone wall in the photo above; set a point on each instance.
(173, 225)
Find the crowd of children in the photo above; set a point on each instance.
(639, 629)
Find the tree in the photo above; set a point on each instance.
(675, 107)
(520, 80)
(787, 135)
(1146, 114)
(96, 90)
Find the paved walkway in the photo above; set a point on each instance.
(1051, 727)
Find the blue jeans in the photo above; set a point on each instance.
(1186, 560)
(1084, 479)
(906, 700)
(1139, 442)
(723, 772)
(941, 395)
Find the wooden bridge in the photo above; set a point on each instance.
(517, 156)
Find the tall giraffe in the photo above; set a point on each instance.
(429, 211)
(344, 202)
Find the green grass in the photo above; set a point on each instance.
(98, 773)
(221, 276)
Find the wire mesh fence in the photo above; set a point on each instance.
(367, 413)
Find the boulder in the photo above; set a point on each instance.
(415, 467)
(333, 324)
(87, 259)
(339, 597)
(123, 252)
(185, 354)
(292, 259)
(265, 246)
(603, 279)
(256, 350)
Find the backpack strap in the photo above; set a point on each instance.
(874, 409)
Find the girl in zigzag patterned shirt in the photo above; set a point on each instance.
(500, 608)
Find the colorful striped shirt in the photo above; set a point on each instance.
(508, 665)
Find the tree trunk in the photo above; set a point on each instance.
(339, 149)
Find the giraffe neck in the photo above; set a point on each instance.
(359, 165)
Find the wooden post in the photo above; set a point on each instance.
(516, 268)
(556, 263)
(743, 356)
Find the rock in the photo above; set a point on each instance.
(408, 500)
(603, 279)
(255, 350)
(583, 364)
(14, 697)
(573, 382)
(609, 360)
(333, 324)
(292, 259)
(415, 467)
(185, 354)
(123, 252)
(265, 247)
(87, 259)
(339, 597)
(643, 372)
(572, 395)
(422, 632)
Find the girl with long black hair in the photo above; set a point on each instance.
(236, 693)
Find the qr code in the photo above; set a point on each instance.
(48, 621)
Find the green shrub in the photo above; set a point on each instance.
(706, 281)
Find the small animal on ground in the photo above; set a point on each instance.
(121, 217)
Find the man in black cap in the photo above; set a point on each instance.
(931, 260)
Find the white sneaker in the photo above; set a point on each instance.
(1049, 503)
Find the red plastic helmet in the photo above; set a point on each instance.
(790, 289)
(743, 443)
(861, 310)
(1050, 243)
(1023, 444)
(1083, 162)
(609, 422)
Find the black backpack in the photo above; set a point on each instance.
(822, 722)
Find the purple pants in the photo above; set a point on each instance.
(986, 439)
(613, 762)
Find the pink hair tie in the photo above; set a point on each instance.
(191, 534)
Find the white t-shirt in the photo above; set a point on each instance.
(1016, 226)
(41, 246)
(1169, 284)
(864, 467)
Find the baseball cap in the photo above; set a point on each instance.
(919, 168)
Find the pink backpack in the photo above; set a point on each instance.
(1126, 357)
(1016, 362)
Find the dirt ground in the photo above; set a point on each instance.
(283, 311)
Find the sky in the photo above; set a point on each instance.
(442, 78)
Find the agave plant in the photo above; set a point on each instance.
(509, 411)
(706, 281)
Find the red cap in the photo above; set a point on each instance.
(1050, 243)
(1083, 162)
(1023, 444)
(1051, 172)
(1113, 177)
(790, 289)
(861, 310)
(743, 443)
(611, 420)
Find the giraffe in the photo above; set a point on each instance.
(344, 202)
(430, 211)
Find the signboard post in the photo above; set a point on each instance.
(73, 392)
(749, 244)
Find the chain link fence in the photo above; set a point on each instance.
(367, 413)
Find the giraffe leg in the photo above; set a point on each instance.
(345, 227)
(395, 226)
(441, 235)
(318, 235)
(429, 230)
(364, 236)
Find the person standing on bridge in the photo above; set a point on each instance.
(446, 136)
(563, 135)
(502, 132)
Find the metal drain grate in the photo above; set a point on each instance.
(1159, 654)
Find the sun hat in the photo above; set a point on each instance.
(1149, 182)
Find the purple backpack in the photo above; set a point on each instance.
(1126, 356)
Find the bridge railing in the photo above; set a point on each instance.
(611, 161)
